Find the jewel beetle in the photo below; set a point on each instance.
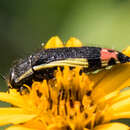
(42, 64)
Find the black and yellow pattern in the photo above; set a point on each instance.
(42, 64)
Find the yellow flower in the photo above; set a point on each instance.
(71, 101)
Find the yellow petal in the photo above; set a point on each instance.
(56, 127)
(127, 51)
(120, 109)
(19, 128)
(112, 126)
(108, 98)
(121, 105)
(114, 97)
(11, 111)
(97, 77)
(119, 115)
(13, 115)
(73, 42)
(120, 95)
(14, 98)
(123, 95)
(86, 129)
(114, 79)
(54, 42)
(15, 118)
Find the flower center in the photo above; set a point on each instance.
(66, 98)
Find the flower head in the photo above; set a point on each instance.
(72, 100)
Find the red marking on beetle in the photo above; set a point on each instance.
(106, 55)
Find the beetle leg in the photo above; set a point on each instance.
(23, 90)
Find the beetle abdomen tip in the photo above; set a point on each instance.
(123, 58)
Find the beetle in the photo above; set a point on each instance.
(41, 65)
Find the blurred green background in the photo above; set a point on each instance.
(23, 23)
